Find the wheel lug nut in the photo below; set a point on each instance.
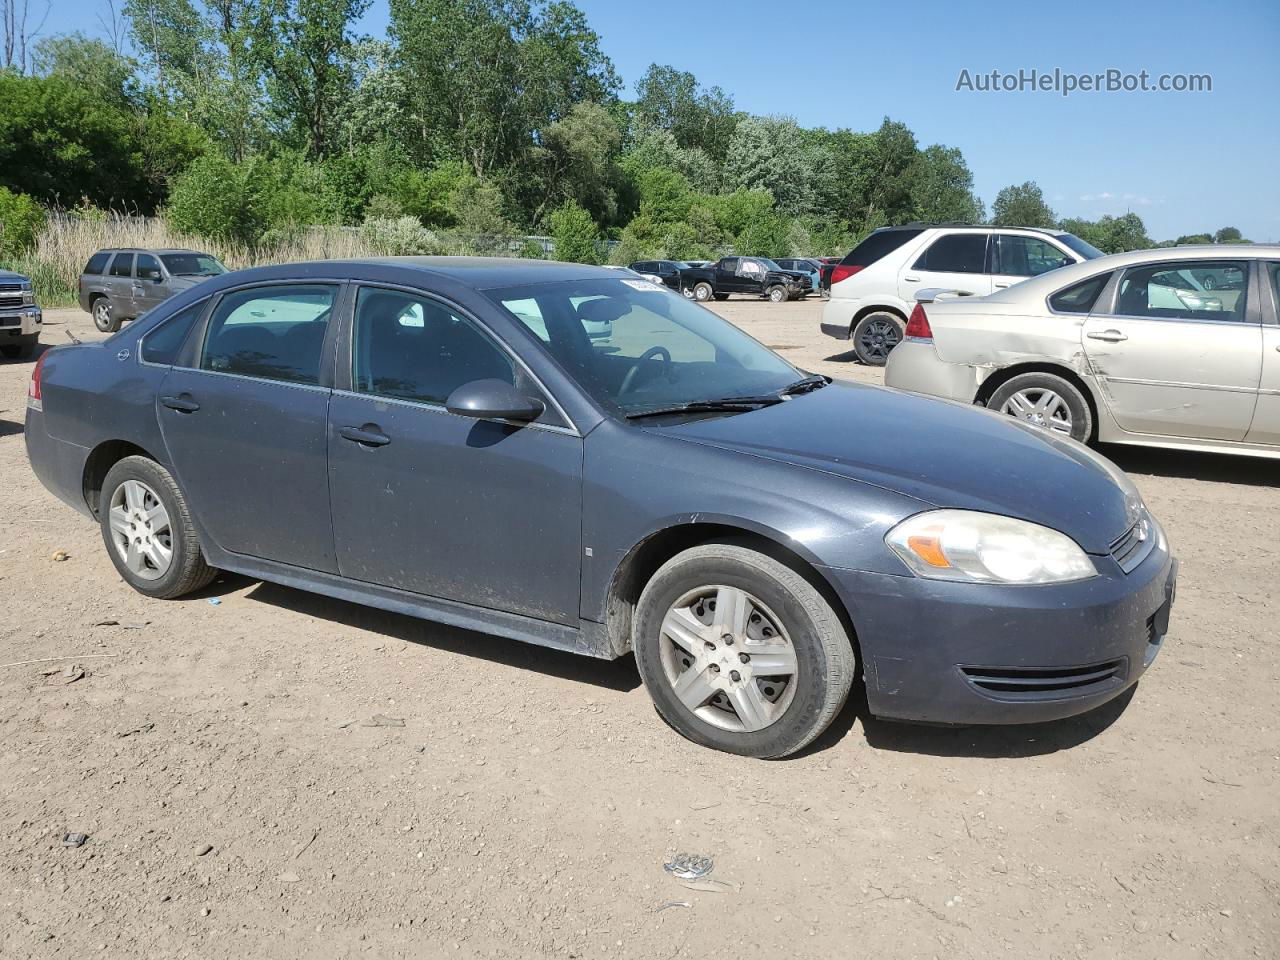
(735, 676)
(715, 668)
(710, 647)
(744, 658)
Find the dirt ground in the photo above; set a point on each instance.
(279, 774)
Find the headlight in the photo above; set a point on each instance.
(986, 548)
(27, 296)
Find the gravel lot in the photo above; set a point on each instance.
(286, 775)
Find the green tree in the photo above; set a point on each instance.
(671, 100)
(1229, 235)
(221, 199)
(941, 187)
(575, 233)
(307, 51)
(1022, 205)
(90, 64)
(1194, 238)
(770, 153)
(578, 160)
(20, 221)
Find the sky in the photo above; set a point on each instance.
(1186, 162)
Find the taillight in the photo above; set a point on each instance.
(918, 325)
(33, 388)
(843, 272)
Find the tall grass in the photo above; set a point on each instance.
(68, 240)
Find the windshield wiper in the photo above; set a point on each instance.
(730, 404)
(804, 385)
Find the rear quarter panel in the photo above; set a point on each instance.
(999, 335)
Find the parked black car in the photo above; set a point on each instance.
(670, 272)
(755, 276)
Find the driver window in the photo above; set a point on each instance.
(413, 348)
(1186, 290)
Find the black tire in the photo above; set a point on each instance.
(703, 291)
(875, 336)
(825, 661)
(104, 316)
(187, 570)
(1033, 386)
(777, 294)
(722, 296)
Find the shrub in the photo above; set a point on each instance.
(401, 237)
(21, 219)
(220, 199)
(531, 250)
(576, 235)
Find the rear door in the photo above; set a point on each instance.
(244, 421)
(1015, 257)
(119, 285)
(482, 512)
(1176, 359)
(953, 261)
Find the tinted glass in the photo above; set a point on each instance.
(955, 253)
(162, 344)
(148, 267)
(122, 265)
(97, 263)
(272, 332)
(1275, 282)
(1027, 256)
(879, 244)
(192, 265)
(1186, 290)
(635, 346)
(1079, 297)
(1086, 250)
(412, 348)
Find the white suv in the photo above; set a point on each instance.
(873, 288)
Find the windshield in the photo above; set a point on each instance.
(1086, 250)
(634, 346)
(192, 265)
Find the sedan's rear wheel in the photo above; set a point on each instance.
(1046, 401)
(740, 652)
(874, 336)
(148, 530)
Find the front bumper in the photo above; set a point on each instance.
(975, 653)
(20, 322)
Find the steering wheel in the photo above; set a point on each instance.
(651, 354)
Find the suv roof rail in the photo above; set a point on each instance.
(975, 226)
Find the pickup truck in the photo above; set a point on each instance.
(753, 276)
(20, 318)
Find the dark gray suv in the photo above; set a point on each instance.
(119, 285)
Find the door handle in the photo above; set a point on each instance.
(1001, 284)
(1111, 336)
(369, 435)
(911, 279)
(182, 403)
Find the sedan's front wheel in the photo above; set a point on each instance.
(740, 652)
(148, 530)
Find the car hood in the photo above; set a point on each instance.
(945, 454)
(178, 283)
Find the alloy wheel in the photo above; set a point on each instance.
(728, 658)
(878, 338)
(140, 530)
(102, 313)
(1041, 407)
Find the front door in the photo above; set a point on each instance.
(245, 427)
(727, 279)
(1180, 354)
(1014, 257)
(481, 512)
(148, 284)
(1266, 418)
(953, 261)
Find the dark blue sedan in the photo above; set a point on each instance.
(566, 456)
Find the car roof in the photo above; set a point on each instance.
(477, 273)
(1065, 276)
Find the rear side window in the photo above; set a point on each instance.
(122, 265)
(955, 253)
(276, 333)
(879, 244)
(1079, 297)
(97, 263)
(162, 344)
(1018, 256)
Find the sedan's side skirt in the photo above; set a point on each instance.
(588, 638)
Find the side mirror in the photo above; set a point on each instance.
(493, 400)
